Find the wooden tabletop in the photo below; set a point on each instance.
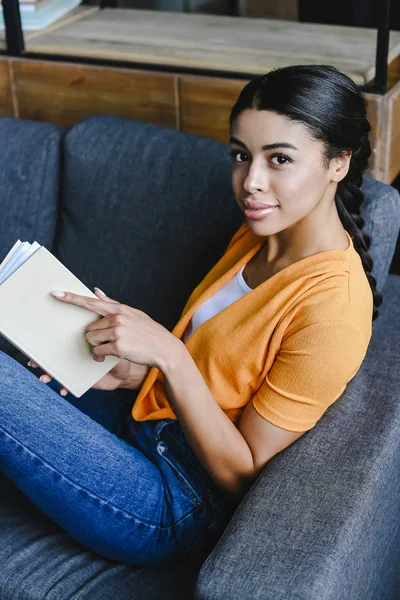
(236, 44)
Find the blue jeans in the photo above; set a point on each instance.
(136, 495)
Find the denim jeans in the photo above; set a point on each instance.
(136, 495)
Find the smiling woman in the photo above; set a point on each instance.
(265, 344)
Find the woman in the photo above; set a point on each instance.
(266, 343)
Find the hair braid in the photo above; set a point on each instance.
(349, 198)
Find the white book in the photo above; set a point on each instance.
(46, 330)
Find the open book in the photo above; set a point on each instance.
(49, 332)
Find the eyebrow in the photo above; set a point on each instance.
(274, 146)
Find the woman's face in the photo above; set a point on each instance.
(276, 162)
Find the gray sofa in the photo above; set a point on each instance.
(144, 212)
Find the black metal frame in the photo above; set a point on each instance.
(12, 22)
(15, 47)
(382, 46)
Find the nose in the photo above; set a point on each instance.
(256, 179)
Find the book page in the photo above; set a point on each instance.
(18, 254)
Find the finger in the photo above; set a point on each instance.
(104, 323)
(100, 352)
(100, 294)
(99, 336)
(32, 364)
(46, 379)
(96, 305)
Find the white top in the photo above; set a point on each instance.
(234, 289)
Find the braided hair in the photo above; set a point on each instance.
(333, 110)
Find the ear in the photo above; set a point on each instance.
(339, 166)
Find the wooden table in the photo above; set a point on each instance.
(198, 41)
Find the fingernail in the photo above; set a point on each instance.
(58, 294)
(29, 363)
(63, 392)
(99, 290)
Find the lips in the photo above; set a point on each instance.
(258, 205)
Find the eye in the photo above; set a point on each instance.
(238, 156)
(280, 159)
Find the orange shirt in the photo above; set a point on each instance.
(290, 345)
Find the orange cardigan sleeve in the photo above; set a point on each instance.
(312, 369)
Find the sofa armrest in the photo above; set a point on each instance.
(322, 520)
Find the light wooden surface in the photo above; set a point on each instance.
(65, 93)
(241, 45)
(79, 12)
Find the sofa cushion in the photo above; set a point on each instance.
(40, 560)
(147, 211)
(29, 185)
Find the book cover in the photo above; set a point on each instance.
(49, 332)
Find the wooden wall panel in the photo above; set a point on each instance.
(378, 150)
(6, 101)
(205, 105)
(64, 93)
(393, 100)
(393, 73)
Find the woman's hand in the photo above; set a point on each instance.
(125, 374)
(125, 332)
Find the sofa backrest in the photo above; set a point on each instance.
(146, 211)
(381, 213)
(29, 181)
(29, 185)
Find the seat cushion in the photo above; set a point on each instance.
(29, 186)
(39, 560)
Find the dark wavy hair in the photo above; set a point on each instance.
(333, 110)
